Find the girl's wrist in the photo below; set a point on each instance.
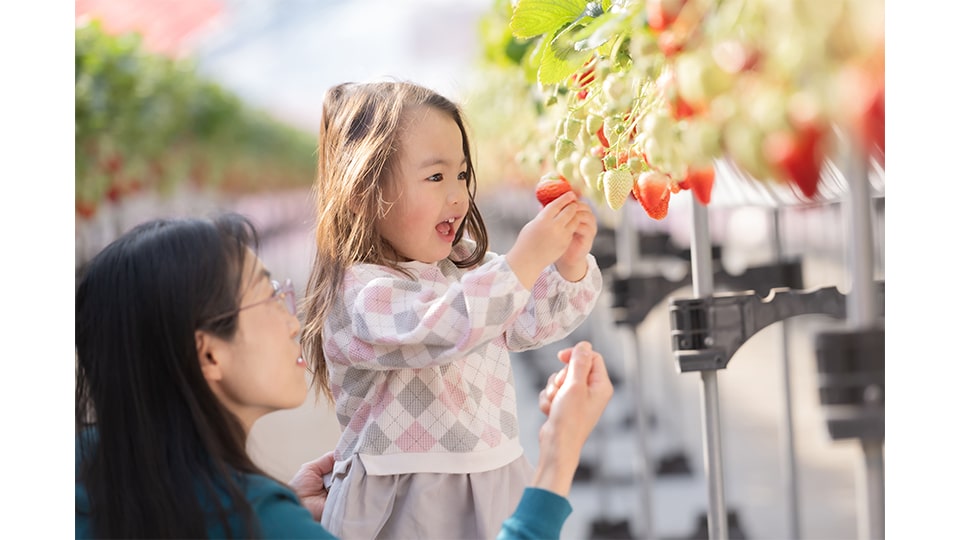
(527, 273)
(574, 271)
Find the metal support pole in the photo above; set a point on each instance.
(702, 281)
(786, 425)
(862, 313)
(627, 246)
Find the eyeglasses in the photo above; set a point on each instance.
(281, 293)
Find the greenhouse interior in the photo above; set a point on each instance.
(732, 153)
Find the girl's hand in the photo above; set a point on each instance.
(545, 238)
(572, 265)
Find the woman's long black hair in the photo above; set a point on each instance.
(160, 442)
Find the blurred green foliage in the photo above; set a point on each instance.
(146, 121)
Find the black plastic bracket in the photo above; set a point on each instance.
(651, 244)
(706, 332)
(634, 297)
(850, 365)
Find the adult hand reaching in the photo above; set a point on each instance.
(308, 483)
(573, 401)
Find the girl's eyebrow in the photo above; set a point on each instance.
(430, 162)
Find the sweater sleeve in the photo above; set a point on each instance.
(395, 322)
(556, 307)
(540, 515)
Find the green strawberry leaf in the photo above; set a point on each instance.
(532, 18)
(560, 59)
(598, 31)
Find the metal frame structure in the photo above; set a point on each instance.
(708, 329)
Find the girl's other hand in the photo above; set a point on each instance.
(546, 237)
(572, 265)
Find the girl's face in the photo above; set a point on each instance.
(261, 369)
(429, 192)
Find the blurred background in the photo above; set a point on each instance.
(196, 107)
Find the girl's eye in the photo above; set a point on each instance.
(462, 176)
(435, 178)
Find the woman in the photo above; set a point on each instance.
(183, 341)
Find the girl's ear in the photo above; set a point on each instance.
(207, 352)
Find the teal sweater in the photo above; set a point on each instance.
(540, 514)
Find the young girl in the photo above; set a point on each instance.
(409, 319)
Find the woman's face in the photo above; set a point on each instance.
(260, 369)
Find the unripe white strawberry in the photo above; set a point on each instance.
(615, 88)
(744, 142)
(699, 142)
(617, 184)
(594, 122)
(567, 168)
(700, 79)
(598, 184)
(613, 127)
(572, 127)
(590, 169)
(564, 147)
(559, 130)
(579, 113)
(658, 125)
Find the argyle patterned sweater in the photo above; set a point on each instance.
(419, 368)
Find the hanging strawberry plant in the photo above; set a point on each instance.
(644, 97)
(146, 121)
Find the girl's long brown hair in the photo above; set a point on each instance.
(359, 138)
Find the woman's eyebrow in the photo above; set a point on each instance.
(262, 274)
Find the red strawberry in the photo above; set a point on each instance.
(700, 181)
(652, 189)
(862, 98)
(113, 164)
(797, 155)
(662, 13)
(115, 192)
(550, 187)
(670, 43)
(603, 139)
(85, 209)
(667, 85)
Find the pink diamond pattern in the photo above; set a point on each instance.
(416, 439)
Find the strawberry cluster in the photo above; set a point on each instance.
(666, 88)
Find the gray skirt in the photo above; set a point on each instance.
(440, 506)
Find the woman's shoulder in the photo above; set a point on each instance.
(259, 486)
(279, 510)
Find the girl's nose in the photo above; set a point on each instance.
(457, 196)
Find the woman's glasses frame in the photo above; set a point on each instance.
(282, 292)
